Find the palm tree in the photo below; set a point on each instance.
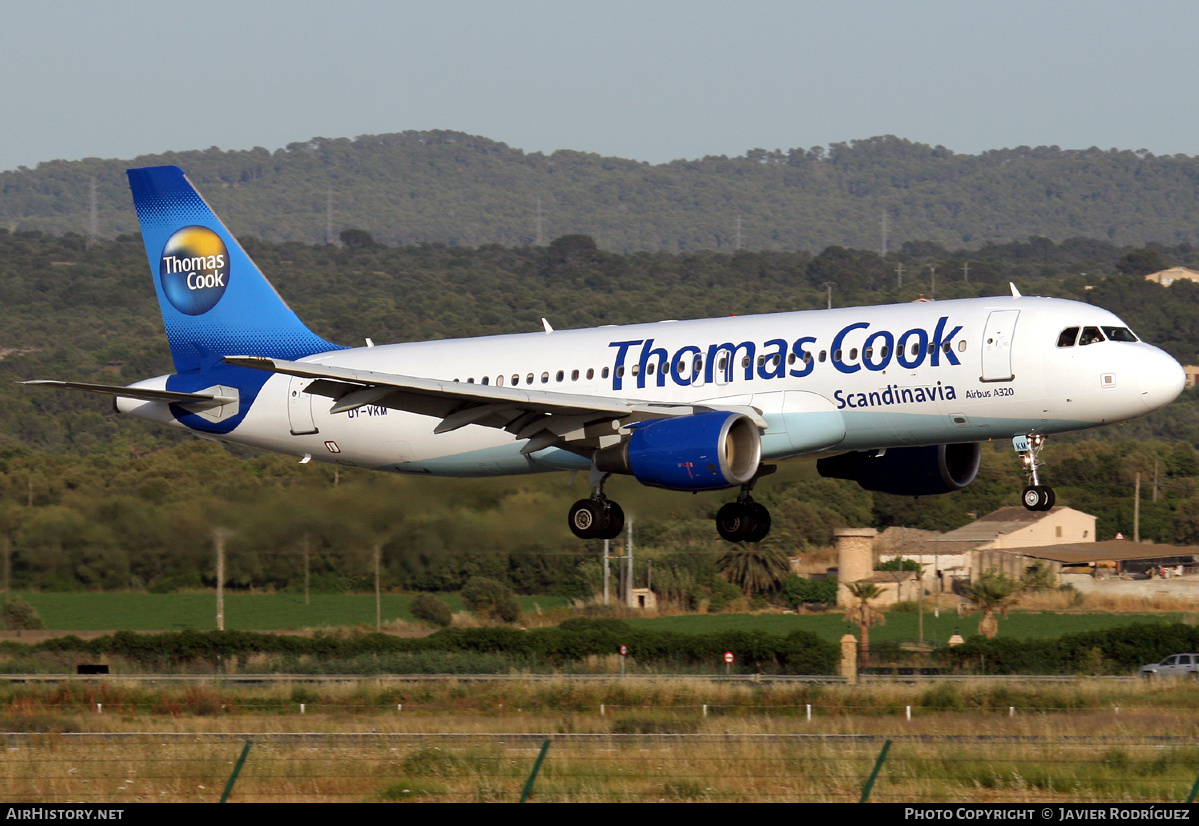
(758, 568)
(864, 614)
(992, 593)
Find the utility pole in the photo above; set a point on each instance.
(378, 597)
(966, 271)
(93, 228)
(329, 216)
(607, 572)
(628, 580)
(933, 293)
(218, 538)
(899, 273)
(1136, 512)
(828, 286)
(307, 572)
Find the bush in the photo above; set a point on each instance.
(19, 615)
(797, 590)
(723, 594)
(899, 564)
(430, 609)
(489, 598)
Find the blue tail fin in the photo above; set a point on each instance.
(215, 302)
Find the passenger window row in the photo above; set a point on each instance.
(698, 365)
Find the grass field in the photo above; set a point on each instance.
(243, 612)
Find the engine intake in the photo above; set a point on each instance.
(907, 471)
(704, 451)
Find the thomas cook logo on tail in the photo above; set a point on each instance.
(194, 270)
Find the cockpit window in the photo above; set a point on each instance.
(1119, 334)
(1066, 339)
(1090, 335)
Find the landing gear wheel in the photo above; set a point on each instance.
(613, 521)
(743, 522)
(732, 521)
(761, 519)
(1038, 498)
(596, 519)
(586, 518)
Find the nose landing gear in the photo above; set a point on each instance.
(1036, 497)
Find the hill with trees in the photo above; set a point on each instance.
(464, 190)
(91, 500)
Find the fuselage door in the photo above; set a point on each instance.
(997, 345)
(299, 407)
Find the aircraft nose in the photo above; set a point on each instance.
(1162, 379)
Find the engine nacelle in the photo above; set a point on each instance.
(907, 471)
(705, 451)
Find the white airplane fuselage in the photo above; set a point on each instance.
(825, 381)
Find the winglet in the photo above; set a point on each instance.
(1015, 292)
(547, 326)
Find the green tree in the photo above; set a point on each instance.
(358, 239)
(489, 598)
(864, 615)
(992, 594)
(757, 567)
(1141, 261)
(430, 609)
(19, 615)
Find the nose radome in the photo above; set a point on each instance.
(1162, 379)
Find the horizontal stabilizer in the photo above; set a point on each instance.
(144, 394)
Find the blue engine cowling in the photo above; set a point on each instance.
(704, 451)
(907, 471)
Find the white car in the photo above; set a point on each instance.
(1175, 665)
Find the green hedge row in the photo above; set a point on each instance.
(574, 640)
(1112, 651)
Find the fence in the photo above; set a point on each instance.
(115, 769)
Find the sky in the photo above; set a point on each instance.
(652, 81)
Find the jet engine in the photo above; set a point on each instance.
(907, 471)
(704, 451)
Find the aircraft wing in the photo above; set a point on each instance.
(545, 418)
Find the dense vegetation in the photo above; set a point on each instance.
(89, 500)
(456, 649)
(452, 188)
(1112, 651)
(570, 645)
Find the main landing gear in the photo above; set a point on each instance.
(596, 517)
(745, 520)
(1036, 497)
